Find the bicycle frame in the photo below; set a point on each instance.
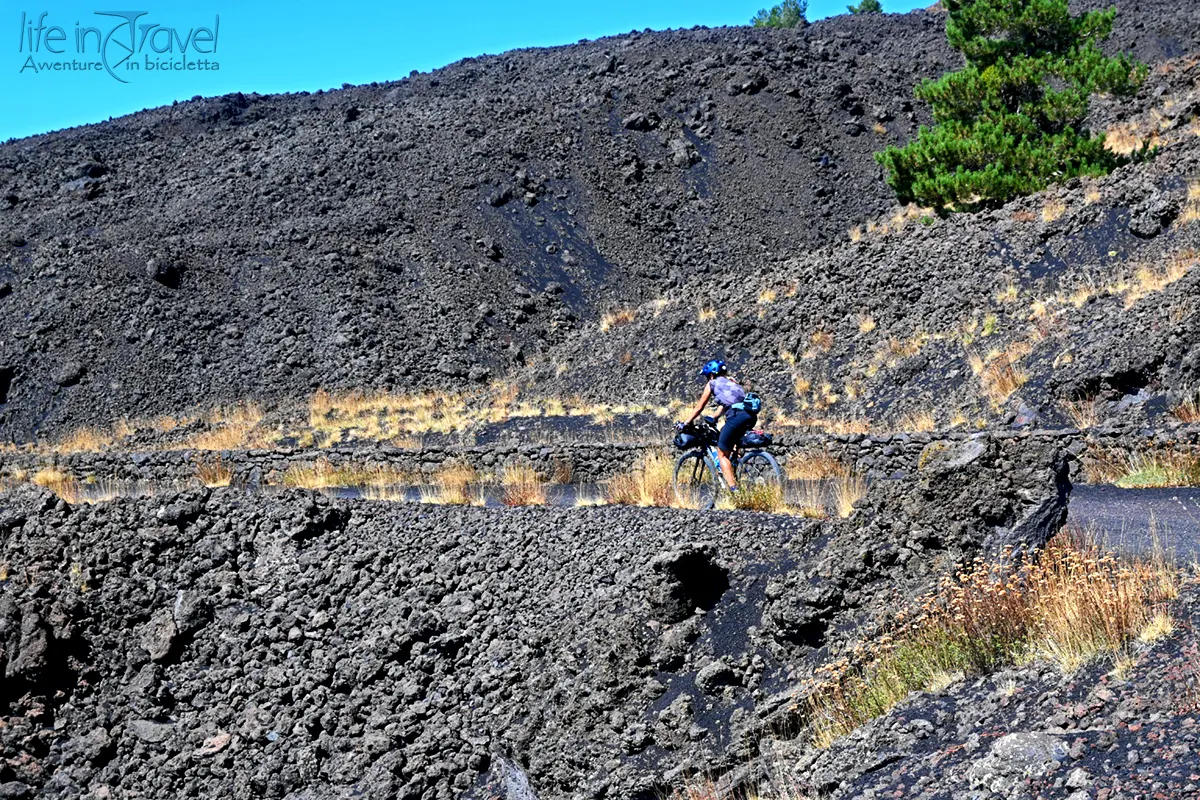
(712, 456)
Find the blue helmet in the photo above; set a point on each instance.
(713, 368)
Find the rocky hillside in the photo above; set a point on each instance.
(450, 227)
(219, 644)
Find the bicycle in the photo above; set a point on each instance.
(698, 478)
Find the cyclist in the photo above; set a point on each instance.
(728, 395)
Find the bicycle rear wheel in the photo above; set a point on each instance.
(759, 469)
(695, 482)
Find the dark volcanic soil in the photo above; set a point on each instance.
(225, 645)
(448, 227)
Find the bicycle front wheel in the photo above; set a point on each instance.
(695, 481)
(759, 469)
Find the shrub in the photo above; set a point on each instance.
(1011, 121)
(866, 7)
(787, 14)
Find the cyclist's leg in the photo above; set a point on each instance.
(727, 469)
(736, 425)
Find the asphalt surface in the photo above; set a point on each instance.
(1138, 520)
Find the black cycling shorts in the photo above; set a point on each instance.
(737, 423)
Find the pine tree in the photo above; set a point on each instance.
(866, 7)
(787, 14)
(1011, 121)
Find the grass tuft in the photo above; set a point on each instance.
(823, 475)
(848, 489)
(522, 486)
(1072, 604)
(765, 498)
(231, 428)
(1084, 414)
(1053, 209)
(214, 474)
(1189, 410)
(921, 421)
(616, 318)
(324, 475)
(1000, 374)
(451, 485)
(648, 483)
(1145, 469)
(84, 440)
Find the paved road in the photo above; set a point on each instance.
(1132, 518)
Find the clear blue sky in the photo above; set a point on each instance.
(269, 47)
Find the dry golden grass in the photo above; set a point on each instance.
(83, 440)
(825, 476)
(1083, 413)
(879, 129)
(1124, 139)
(522, 486)
(921, 421)
(57, 481)
(649, 482)
(1092, 195)
(834, 426)
(766, 297)
(1072, 604)
(616, 318)
(866, 324)
(231, 428)
(213, 474)
(822, 341)
(89, 491)
(382, 417)
(813, 467)
(1000, 374)
(451, 484)
(323, 474)
(1191, 209)
(1053, 209)
(1141, 469)
(1007, 295)
(390, 494)
(900, 219)
(810, 499)
(848, 489)
(587, 498)
(1189, 410)
(905, 348)
(1150, 280)
(707, 314)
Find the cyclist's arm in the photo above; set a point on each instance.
(704, 398)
